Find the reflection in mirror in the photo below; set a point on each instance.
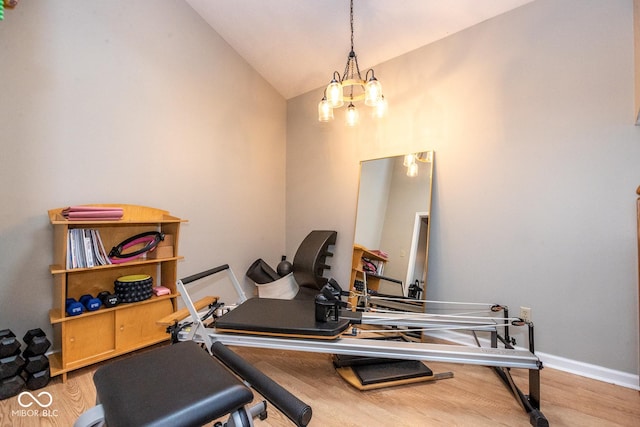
(392, 226)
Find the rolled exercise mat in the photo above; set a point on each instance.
(295, 409)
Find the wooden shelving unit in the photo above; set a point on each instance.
(109, 332)
(357, 272)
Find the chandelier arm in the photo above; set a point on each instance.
(345, 75)
(355, 58)
(373, 75)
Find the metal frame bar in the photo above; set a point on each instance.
(380, 348)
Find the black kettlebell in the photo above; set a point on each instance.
(284, 267)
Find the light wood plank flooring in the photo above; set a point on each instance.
(474, 397)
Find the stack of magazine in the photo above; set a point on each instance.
(85, 249)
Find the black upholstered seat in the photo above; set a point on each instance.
(177, 385)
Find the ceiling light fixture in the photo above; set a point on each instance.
(351, 87)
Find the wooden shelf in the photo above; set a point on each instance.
(131, 214)
(357, 272)
(58, 269)
(57, 315)
(99, 335)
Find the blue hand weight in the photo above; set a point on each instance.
(90, 303)
(73, 307)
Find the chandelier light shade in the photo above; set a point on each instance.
(351, 88)
(352, 115)
(372, 91)
(325, 112)
(412, 170)
(334, 92)
(380, 109)
(411, 161)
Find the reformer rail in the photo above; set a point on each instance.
(385, 349)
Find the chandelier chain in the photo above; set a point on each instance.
(351, 22)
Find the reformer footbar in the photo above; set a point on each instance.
(294, 325)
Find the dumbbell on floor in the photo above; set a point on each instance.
(11, 386)
(37, 379)
(35, 364)
(17, 373)
(36, 341)
(11, 363)
(10, 366)
(35, 374)
(36, 368)
(9, 344)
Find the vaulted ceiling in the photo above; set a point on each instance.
(297, 44)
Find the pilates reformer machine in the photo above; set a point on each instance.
(315, 320)
(325, 324)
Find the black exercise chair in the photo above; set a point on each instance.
(182, 385)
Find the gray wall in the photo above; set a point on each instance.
(134, 102)
(537, 161)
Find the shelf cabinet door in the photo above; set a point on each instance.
(136, 325)
(88, 337)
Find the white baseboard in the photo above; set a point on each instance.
(623, 379)
(588, 370)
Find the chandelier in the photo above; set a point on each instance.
(350, 88)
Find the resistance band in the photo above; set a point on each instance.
(150, 240)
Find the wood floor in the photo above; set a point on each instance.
(474, 397)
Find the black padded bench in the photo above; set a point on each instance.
(176, 385)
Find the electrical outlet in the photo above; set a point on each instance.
(525, 314)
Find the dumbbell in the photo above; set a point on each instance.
(90, 303)
(36, 364)
(108, 299)
(37, 343)
(11, 386)
(37, 379)
(11, 366)
(36, 367)
(9, 344)
(74, 307)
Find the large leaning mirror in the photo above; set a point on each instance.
(391, 246)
